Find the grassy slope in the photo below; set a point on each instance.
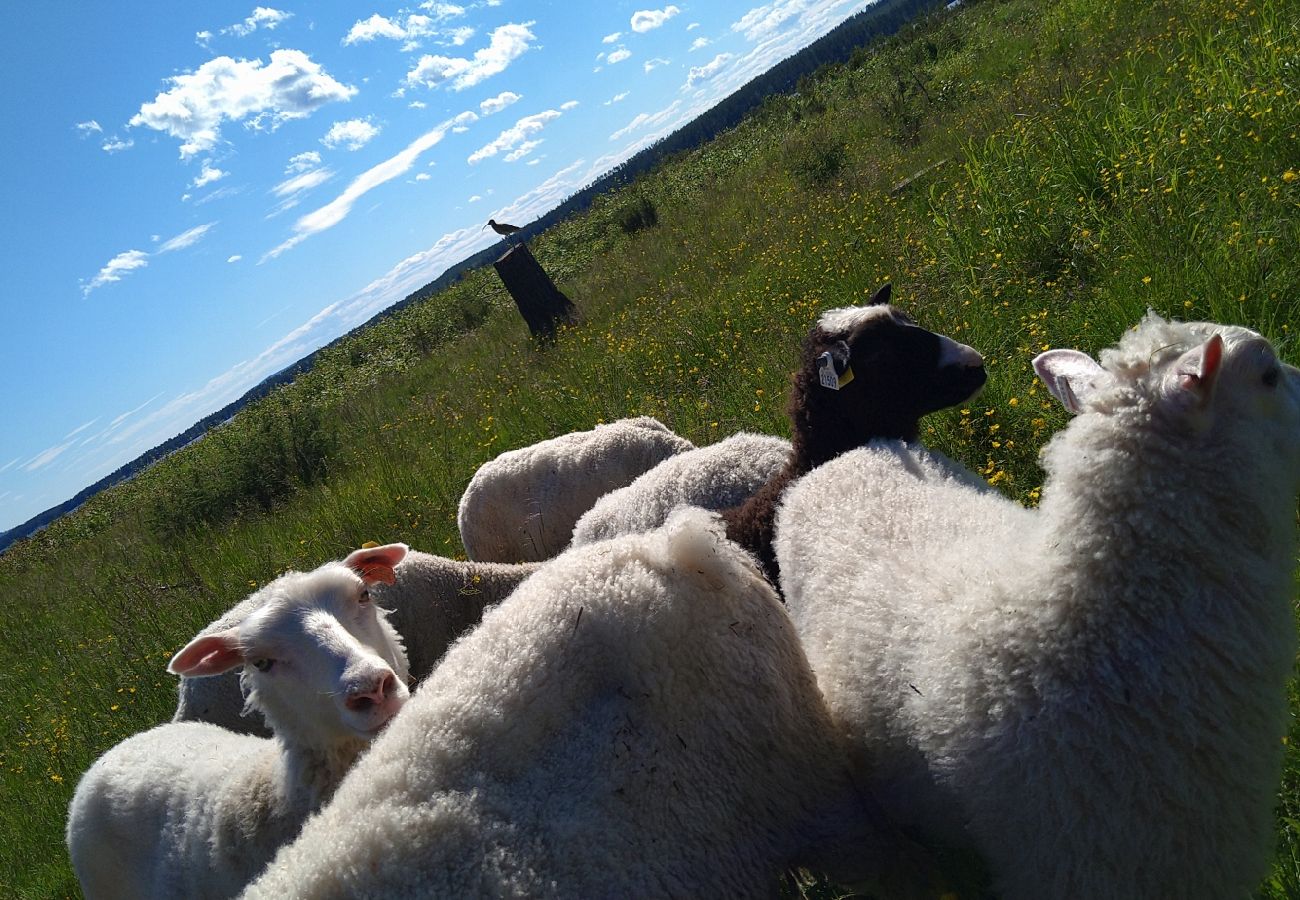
(1103, 157)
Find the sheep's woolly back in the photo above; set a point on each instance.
(713, 477)
(1092, 694)
(522, 505)
(637, 719)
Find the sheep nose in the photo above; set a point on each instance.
(361, 700)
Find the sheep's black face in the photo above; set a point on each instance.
(892, 371)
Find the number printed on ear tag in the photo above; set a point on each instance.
(826, 372)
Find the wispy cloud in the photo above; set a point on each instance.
(303, 181)
(652, 64)
(506, 44)
(117, 145)
(302, 162)
(700, 43)
(337, 209)
(290, 86)
(611, 38)
(515, 136)
(234, 259)
(649, 19)
(618, 56)
(262, 17)
(86, 129)
(115, 269)
(354, 134)
(645, 120)
(44, 458)
(186, 238)
(617, 98)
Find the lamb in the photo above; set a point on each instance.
(713, 477)
(1090, 694)
(192, 810)
(865, 372)
(637, 719)
(433, 600)
(521, 506)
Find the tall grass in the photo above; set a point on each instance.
(1102, 157)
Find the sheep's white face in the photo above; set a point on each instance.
(320, 660)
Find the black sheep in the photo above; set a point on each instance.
(866, 372)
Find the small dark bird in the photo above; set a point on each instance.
(501, 227)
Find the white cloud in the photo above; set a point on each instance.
(617, 98)
(611, 38)
(443, 11)
(646, 119)
(354, 133)
(202, 38)
(337, 209)
(115, 268)
(85, 129)
(234, 259)
(423, 176)
(117, 145)
(262, 17)
(186, 238)
(461, 123)
(417, 104)
(506, 44)
(302, 162)
(649, 19)
(521, 151)
(290, 86)
(515, 135)
(475, 199)
(569, 104)
(458, 37)
(207, 175)
(708, 70)
(692, 26)
(700, 43)
(304, 181)
(45, 458)
(618, 55)
(655, 63)
(762, 21)
(499, 102)
(415, 26)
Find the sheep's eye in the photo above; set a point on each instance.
(365, 597)
(263, 665)
(1271, 377)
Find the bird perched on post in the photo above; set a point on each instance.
(502, 228)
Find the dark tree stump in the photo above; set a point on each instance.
(540, 302)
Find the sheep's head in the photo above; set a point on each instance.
(872, 372)
(1203, 385)
(320, 660)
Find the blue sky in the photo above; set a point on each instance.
(196, 195)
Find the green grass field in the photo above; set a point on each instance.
(1098, 158)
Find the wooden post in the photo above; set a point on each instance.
(540, 302)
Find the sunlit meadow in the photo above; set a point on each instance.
(1071, 164)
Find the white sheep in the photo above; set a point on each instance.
(192, 810)
(713, 477)
(637, 719)
(1091, 694)
(432, 601)
(521, 506)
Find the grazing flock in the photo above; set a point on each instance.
(677, 671)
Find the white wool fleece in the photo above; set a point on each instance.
(1091, 694)
(521, 506)
(718, 476)
(637, 719)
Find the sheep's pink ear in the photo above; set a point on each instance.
(1198, 372)
(377, 563)
(208, 654)
(1069, 376)
(881, 296)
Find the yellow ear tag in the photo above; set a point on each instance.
(846, 377)
(369, 545)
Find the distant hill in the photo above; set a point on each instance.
(882, 19)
